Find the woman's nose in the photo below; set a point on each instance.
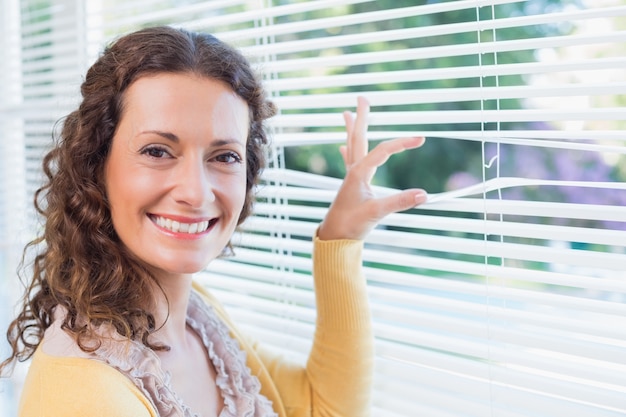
(193, 185)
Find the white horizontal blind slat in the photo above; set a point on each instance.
(294, 83)
(453, 94)
(563, 139)
(417, 118)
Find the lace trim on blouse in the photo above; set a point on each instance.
(239, 388)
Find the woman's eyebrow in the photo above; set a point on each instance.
(174, 138)
(166, 135)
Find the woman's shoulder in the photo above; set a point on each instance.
(65, 381)
(65, 366)
(72, 386)
(59, 355)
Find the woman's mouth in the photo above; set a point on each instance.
(181, 227)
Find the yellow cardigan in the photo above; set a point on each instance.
(336, 381)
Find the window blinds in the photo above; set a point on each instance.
(505, 295)
(42, 62)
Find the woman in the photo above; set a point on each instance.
(151, 176)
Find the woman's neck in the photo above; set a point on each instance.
(170, 312)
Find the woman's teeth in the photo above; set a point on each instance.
(178, 227)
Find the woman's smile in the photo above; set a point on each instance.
(182, 227)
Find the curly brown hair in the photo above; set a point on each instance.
(80, 262)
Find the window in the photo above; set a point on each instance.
(506, 294)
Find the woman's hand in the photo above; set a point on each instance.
(356, 210)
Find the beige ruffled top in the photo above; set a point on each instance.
(239, 388)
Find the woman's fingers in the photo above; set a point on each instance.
(357, 131)
(383, 151)
(401, 201)
(349, 122)
(343, 150)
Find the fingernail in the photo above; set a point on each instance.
(420, 197)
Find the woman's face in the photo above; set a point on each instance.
(176, 172)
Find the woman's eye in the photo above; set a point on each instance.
(228, 158)
(155, 152)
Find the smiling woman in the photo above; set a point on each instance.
(148, 182)
(510, 301)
